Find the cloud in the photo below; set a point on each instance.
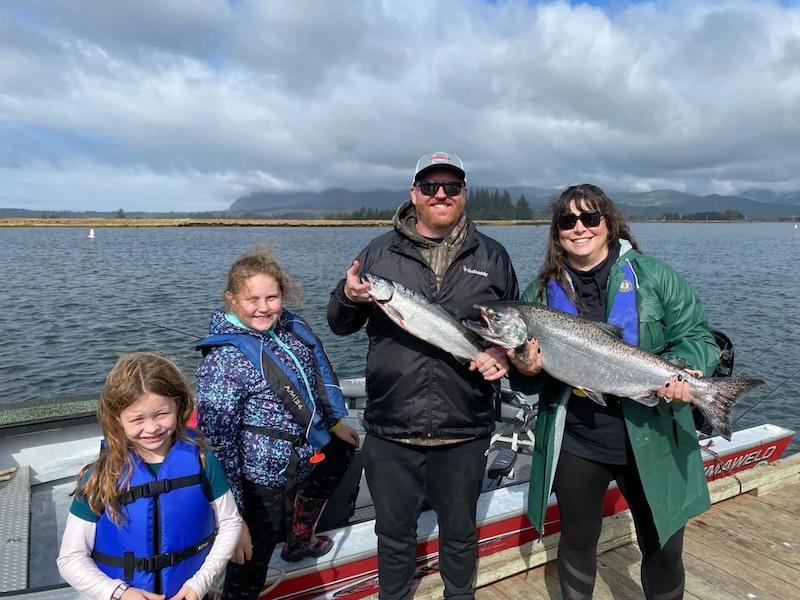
(186, 105)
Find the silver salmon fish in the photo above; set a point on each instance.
(423, 319)
(590, 356)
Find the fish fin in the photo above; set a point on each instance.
(595, 397)
(611, 328)
(396, 315)
(650, 401)
(678, 362)
(717, 402)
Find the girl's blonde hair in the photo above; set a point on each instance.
(133, 376)
(259, 260)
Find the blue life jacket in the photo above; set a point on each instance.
(623, 313)
(167, 528)
(285, 382)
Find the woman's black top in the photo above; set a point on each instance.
(592, 431)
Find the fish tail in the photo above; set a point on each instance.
(718, 399)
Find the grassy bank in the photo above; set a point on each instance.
(99, 223)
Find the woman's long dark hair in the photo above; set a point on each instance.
(589, 198)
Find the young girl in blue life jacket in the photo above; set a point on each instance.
(270, 403)
(153, 517)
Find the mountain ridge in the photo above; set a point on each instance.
(655, 204)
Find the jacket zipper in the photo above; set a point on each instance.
(461, 252)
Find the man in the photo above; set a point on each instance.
(428, 416)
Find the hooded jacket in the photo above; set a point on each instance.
(413, 388)
(232, 393)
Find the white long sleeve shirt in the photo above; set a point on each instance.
(76, 566)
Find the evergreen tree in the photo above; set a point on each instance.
(505, 208)
(523, 209)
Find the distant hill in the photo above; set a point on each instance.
(655, 198)
(683, 203)
(773, 196)
(754, 205)
(330, 200)
(642, 205)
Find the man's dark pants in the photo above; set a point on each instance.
(399, 477)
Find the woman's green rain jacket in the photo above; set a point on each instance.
(673, 325)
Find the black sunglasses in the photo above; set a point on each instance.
(569, 220)
(451, 188)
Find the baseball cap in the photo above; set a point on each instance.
(439, 160)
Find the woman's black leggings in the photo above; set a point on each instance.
(580, 486)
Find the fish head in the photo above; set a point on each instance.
(382, 289)
(502, 326)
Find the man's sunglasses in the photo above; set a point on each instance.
(451, 188)
(568, 221)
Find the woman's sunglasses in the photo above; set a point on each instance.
(451, 188)
(568, 221)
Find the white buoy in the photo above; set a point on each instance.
(91, 234)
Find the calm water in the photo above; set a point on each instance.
(71, 305)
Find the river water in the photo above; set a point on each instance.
(72, 304)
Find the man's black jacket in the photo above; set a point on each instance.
(415, 389)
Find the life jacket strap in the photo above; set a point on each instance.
(154, 488)
(296, 439)
(129, 563)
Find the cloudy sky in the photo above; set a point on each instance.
(189, 104)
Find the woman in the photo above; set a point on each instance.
(268, 400)
(593, 268)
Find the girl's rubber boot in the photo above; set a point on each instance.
(301, 540)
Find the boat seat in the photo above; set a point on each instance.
(15, 511)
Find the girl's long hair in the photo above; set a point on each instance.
(133, 376)
(586, 197)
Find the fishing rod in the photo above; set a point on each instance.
(772, 347)
(154, 324)
(777, 387)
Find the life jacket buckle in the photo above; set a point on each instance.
(159, 561)
(154, 488)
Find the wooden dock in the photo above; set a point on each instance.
(746, 547)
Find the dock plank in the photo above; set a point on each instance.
(748, 534)
(761, 571)
(489, 593)
(785, 499)
(627, 560)
(761, 537)
(621, 573)
(783, 524)
(531, 585)
(707, 577)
